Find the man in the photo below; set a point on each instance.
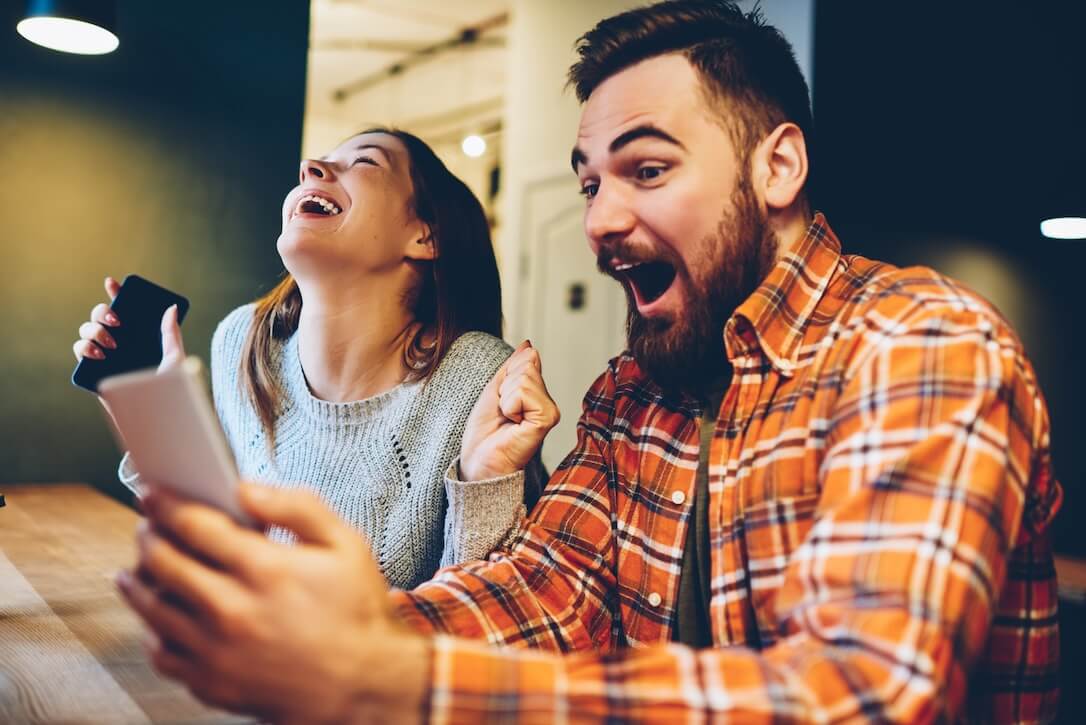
(816, 487)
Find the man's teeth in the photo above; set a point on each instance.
(330, 208)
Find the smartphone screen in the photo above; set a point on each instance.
(139, 305)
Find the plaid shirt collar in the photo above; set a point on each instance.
(774, 318)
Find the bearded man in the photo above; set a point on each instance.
(815, 488)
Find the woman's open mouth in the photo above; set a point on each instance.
(648, 281)
(314, 205)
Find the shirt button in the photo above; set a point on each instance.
(654, 599)
(677, 497)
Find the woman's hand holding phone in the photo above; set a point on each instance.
(94, 334)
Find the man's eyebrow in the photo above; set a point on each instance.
(578, 157)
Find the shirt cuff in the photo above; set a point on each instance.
(477, 682)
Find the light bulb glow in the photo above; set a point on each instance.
(1067, 227)
(474, 146)
(68, 35)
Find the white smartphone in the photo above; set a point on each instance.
(169, 427)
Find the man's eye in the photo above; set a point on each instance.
(589, 190)
(648, 173)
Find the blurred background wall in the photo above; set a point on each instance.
(168, 158)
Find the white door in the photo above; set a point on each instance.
(573, 315)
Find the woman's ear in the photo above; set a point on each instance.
(422, 247)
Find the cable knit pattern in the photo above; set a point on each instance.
(380, 463)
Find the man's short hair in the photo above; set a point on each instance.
(747, 67)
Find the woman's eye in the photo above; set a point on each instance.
(365, 159)
(589, 190)
(648, 173)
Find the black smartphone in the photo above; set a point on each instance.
(139, 305)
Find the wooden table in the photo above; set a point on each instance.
(70, 649)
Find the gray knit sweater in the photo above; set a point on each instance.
(380, 463)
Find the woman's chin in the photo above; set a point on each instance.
(300, 242)
(309, 255)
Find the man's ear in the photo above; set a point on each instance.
(780, 167)
(422, 247)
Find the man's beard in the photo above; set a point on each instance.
(686, 354)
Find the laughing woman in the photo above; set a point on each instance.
(357, 373)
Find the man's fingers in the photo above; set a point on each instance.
(167, 621)
(206, 532)
(205, 684)
(296, 510)
(196, 584)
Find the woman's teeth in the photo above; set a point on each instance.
(325, 206)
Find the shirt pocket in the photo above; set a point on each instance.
(773, 529)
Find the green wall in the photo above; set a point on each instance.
(168, 158)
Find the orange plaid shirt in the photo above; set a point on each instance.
(880, 490)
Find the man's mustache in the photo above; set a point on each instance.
(607, 256)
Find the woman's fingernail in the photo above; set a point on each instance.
(112, 319)
(110, 343)
(96, 353)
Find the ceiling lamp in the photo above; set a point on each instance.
(474, 146)
(1067, 227)
(71, 26)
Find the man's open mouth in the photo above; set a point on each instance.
(648, 280)
(314, 204)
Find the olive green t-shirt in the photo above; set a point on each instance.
(692, 625)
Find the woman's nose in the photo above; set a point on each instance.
(313, 169)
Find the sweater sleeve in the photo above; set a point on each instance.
(482, 514)
(129, 476)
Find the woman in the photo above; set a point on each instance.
(356, 374)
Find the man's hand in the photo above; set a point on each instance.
(288, 633)
(513, 415)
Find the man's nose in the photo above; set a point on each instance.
(609, 216)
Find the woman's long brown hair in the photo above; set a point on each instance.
(458, 291)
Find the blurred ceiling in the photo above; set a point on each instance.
(435, 68)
